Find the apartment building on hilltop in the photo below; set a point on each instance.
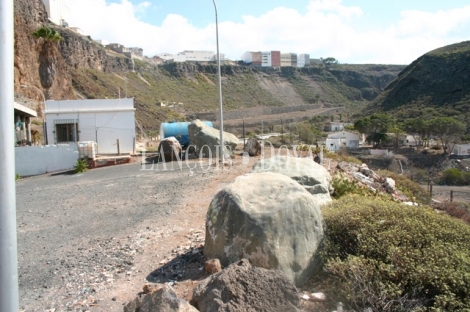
(275, 59)
(303, 60)
(288, 59)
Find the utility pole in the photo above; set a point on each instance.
(221, 115)
(9, 299)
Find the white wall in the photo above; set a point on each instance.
(57, 10)
(34, 160)
(461, 149)
(103, 121)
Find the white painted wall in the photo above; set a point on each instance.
(34, 160)
(199, 56)
(461, 149)
(103, 121)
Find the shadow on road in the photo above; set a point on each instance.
(187, 266)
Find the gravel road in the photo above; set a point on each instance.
(79, 235)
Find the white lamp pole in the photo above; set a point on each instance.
(221, 115)
(9, 299)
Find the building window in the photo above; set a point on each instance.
(66, 130)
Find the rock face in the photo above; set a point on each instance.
(74, 51)
(311, 175)
(163, 300)
(269, 219)
(169, 149)
(206, 139)
(242, 287)
(29, 16)
(253, 147)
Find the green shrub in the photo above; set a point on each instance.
(392, 257)
(81, 166)
(453, 176)
(17, 177)
(343, 186)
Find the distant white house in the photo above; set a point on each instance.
(103, 121)
(461, 149)
(410, 140)
(338, 125)
(340, 139)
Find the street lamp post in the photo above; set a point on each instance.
(9, 297)
(44, 102)
(221, 116)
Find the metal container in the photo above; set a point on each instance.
(179, 130)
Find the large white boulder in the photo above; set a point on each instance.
(313, 176)
(269, 219)
(204, 139)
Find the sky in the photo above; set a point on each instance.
(352, 31)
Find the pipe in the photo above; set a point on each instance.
(221, 115)
(9, 299)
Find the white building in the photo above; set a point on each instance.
(303, 60)
(266, 60)
(103, 121)
(198, 56)
(340, 139)
(410, 140)
(57, 11)
(338, 125)
(461, 149)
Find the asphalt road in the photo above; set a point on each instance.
(75, 230)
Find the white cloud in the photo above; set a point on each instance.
(325, 29)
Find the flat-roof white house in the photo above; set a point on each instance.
(104, 121)
(340, 139)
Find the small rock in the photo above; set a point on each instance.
(113, 298)
(213, 266)
(305, 297)
(318, 296)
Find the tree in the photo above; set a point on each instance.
(329, 60)
(48, 39)
(447, 129)
(418, 128)
(375, 126)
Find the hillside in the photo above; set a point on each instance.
(436, 84)
(85, 69)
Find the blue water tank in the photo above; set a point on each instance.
(179, 130)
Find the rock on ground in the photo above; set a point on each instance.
(313, 176)
(169, 149)
(163, 300)
(269, 219)
(242, 287)
(253, 147)
(205, 139)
